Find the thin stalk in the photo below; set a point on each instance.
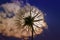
(32, 32)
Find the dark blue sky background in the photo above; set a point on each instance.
(52, 9)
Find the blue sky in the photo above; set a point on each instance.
(52, 9)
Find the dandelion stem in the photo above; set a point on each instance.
(32, 31)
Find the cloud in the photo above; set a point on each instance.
(12, 12)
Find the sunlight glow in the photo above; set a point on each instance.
(9, 27)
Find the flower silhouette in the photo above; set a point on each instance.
(31, 20)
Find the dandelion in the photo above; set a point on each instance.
(31, 20)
